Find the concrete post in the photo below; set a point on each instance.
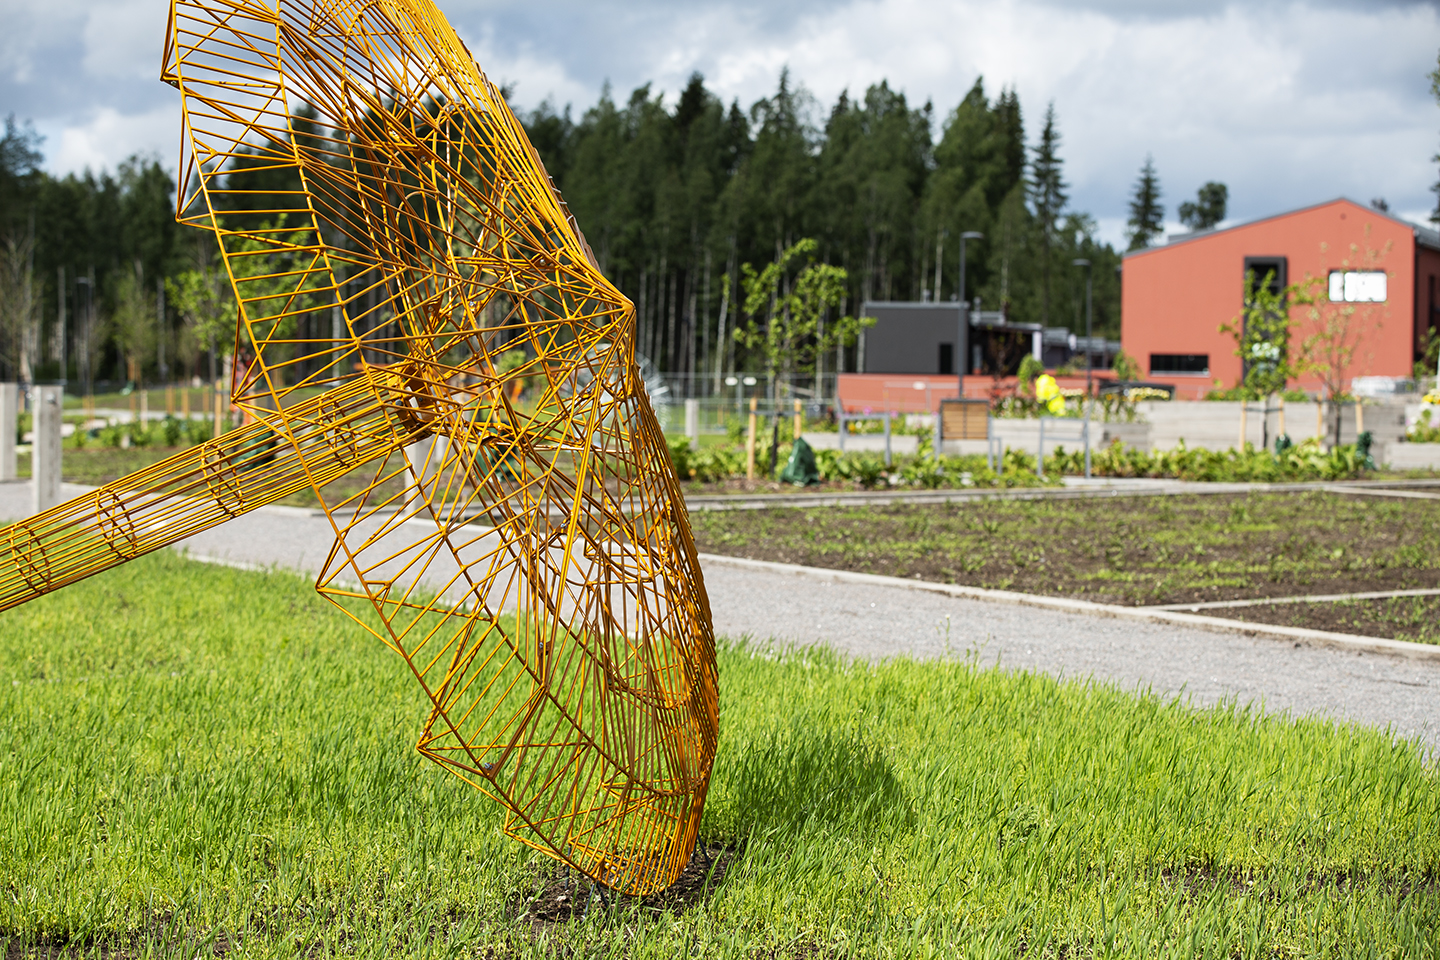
(692, 422)
(418, 456)
(45, 451)
(9, 423)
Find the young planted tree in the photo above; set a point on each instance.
(1147, 216)
(1208, 208)
(1334, 331)
(1262, 337)
(786, 306)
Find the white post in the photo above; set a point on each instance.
(418, 456)
(692, 422)
(45, 451)
(9, 421)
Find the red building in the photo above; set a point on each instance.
(1175, 297)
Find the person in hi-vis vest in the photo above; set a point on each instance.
(1047, 392)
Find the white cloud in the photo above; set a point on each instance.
(108, 137)
(1288, 102)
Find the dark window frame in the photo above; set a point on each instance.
(1178, 369)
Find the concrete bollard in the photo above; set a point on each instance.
(45, 451)
(9, 423)
(692, 422)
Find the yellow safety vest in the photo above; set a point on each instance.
(1047, 391)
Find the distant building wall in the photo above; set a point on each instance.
(914, 338)
(1175, 297)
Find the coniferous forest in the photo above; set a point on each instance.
(674, 196)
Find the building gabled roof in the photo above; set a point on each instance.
(1424, 236)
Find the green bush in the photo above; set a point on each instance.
(1305, 461)
(1424, 431)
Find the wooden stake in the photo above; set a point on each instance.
(750, 444)
(1282, 417)
(799, 420)
(1244, 409)
(169, 400)
(1320, 420)
(219, 395)
(185, 403)
(1359, 420)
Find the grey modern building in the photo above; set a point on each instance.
(912, 337)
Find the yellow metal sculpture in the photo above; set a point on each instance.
(531, 560)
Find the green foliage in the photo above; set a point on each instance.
(1429, 350)
(1126, 368)
(787, 304)
(1262, 335)
(1030, 368)
(1147, 216)
(204, 301)
(1424, 431)
(1208, 208)
(1303, 461)
(169, 432)
(222, 761)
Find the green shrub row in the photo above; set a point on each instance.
(1305, 461)
(170, 432)
(867, 470)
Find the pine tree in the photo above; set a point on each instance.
(1208, 208)
(1048, 198)
(1147, 216)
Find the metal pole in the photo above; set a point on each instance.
(962, 320)
(1040, 451)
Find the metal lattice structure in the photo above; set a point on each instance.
(530, 559)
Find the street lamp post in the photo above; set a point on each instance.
(1089, 355)
(961, 341)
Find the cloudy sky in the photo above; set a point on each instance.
(1287, 103)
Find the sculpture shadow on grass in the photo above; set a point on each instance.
(811, 774)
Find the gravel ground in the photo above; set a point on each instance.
(874, 621)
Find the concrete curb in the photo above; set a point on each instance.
(1324, 638)
(1071, 491)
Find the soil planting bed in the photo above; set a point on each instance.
(1134, 551)
(1399, 618)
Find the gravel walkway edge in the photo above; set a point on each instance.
(1324, 638)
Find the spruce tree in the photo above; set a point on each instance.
(1048, 198)
(1147, 216)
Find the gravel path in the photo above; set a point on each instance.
(879, 621)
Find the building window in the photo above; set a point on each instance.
(1357, 286)
(1269, 272)
(947, 358)
(1180, 364)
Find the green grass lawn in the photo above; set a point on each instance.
(200, 760)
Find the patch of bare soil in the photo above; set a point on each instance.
(1123, 550)
(1416, 619)
(563, 894)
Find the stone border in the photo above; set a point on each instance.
(1100, 487)
(1324, 638)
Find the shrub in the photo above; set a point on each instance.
(1424, 431)
(1305, 461)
